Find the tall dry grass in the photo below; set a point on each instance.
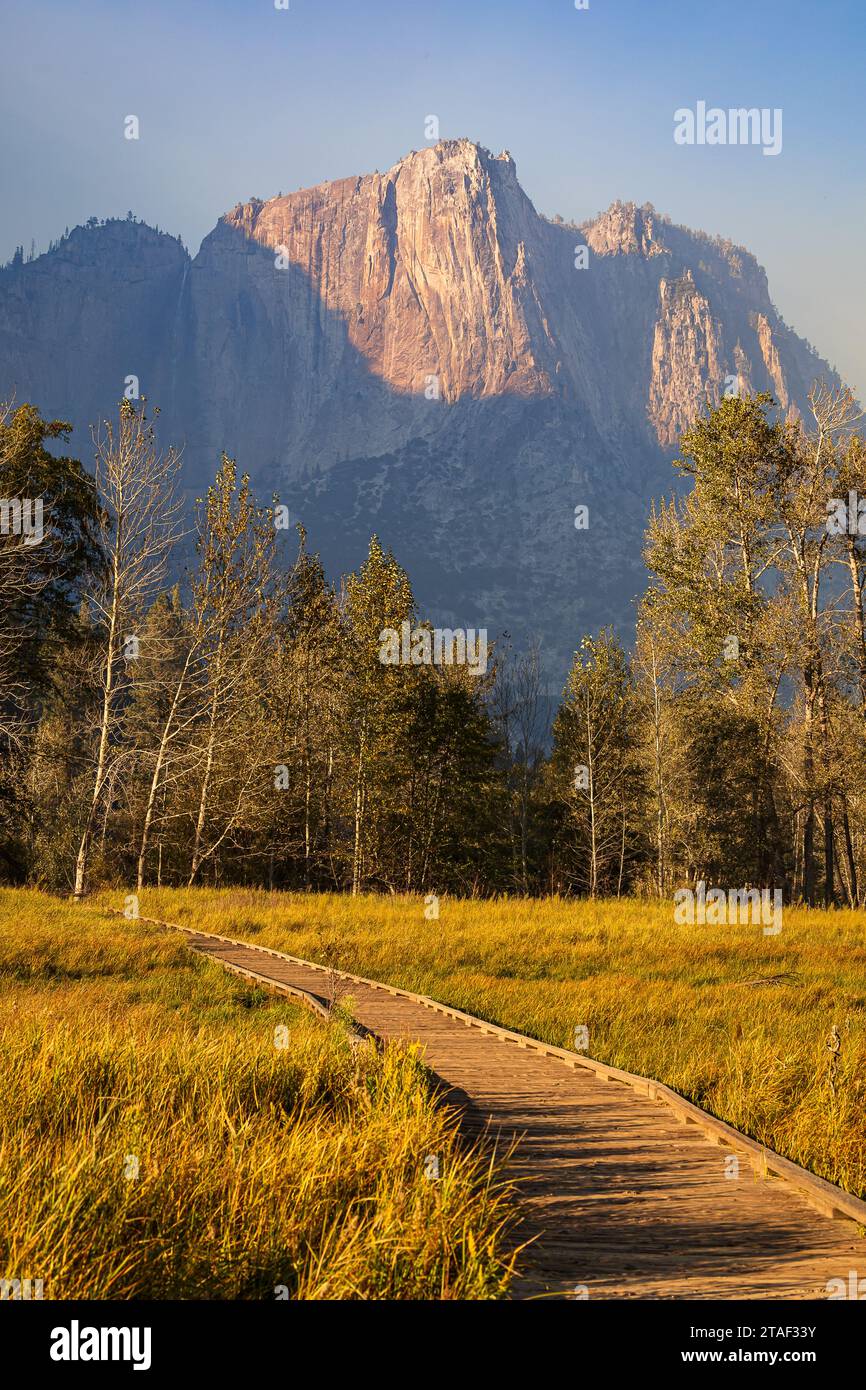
(155, 1142)
(736, 1021)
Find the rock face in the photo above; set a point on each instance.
(688, 358)
(420, 353)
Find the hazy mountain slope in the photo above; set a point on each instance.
(417, 352)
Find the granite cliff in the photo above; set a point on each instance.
(420, 353)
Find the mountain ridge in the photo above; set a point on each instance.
(419, 352)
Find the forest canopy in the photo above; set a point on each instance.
(239, 725)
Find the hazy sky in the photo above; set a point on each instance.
(236, 98)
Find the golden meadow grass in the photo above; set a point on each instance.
(258, 1167)
(736, 1021)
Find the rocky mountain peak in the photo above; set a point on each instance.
(626, 229)
(420, 354)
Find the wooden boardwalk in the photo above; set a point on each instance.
(622, 1198)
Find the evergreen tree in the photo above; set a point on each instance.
(377, 600)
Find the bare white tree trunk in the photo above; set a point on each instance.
(139, 513)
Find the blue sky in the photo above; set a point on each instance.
(237, 99)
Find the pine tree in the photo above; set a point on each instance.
(377, 598)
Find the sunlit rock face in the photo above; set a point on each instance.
(420, 353)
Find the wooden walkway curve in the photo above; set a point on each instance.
(623, 1196)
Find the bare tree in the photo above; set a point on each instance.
(238, 600)
(594, 752)
(803, 496)
(185, 696)
(139, 522)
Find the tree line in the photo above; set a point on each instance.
(238, 725)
